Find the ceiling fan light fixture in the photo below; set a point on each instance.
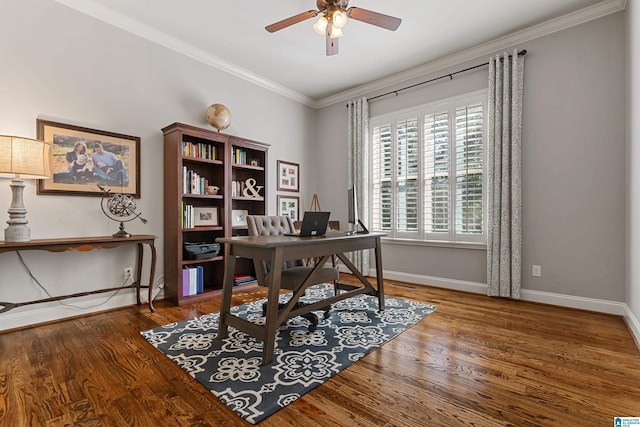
(320, 26)
(335, 33)
(339, 19)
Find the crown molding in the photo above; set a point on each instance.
(590, 13)
(109, 16)
(483, 50)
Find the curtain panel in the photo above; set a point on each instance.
(358, 166)
(504, 175)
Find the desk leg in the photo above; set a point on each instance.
(227, 291)
(152, 275)
(379, 278)
(271, 320)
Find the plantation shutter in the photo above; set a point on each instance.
(382, 170)
(436, 175)
(407, 176)
(469, 170)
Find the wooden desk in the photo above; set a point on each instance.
(84, 244)
(275, 250)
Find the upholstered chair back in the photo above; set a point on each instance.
(293, 272)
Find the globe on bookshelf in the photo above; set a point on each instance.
(218, 116)
(120, 208)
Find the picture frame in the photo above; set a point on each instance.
(239, 218)
(205, 216)
(288, 176)
(289, 206)
(74, 149)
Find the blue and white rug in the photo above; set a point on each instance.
(231, 368)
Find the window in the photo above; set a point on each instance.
(427, 171)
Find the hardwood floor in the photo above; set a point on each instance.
(476, 361)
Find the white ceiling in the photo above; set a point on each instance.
(230, 35)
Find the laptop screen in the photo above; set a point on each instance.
(314, 223)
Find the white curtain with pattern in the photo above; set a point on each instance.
(504, 172)
(358, 170)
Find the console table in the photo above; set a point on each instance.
(279, 248)
(85, 244)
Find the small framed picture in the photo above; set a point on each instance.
(239, 218)
(254, 162)
(205, 216)
(289, 206)
(288, 176)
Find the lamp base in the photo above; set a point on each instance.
(17, 231)
(17, 234)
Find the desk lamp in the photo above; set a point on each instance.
(21, 158)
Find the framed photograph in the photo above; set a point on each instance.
(205, 216)
(239, 218)
(289, 206)
(83, 158)
(288, 176)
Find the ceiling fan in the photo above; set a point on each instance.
(334, 14)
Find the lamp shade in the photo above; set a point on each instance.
(24, 157)
(339, 19)
(320, 26)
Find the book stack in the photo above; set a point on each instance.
(199, 150)
(239, 156)
(193, 183)
(243, 280)
(237, 188)
(192, 281)
(187, 218)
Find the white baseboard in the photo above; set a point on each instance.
(571, 301)
(440, 282)
(633, 324)
(29, 316)
(591, 304)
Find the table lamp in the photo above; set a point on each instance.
(21, 158)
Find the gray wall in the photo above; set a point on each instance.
(76, 69)
(633, 166)
(573, 166)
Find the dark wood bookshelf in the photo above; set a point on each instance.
(221, 172)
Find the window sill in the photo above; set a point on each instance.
(435, 243)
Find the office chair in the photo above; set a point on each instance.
(293, 272)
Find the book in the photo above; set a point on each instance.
(200, 281)
(243, 280)
(185, 282)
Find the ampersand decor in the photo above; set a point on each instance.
(251, 189)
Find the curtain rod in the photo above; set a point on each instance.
(450, 75)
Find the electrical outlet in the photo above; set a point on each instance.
(128, 272)
(536, 270)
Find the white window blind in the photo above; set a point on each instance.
(469, 168)
(407, 166)
(427, 171)
(436, 165)
(382, 155)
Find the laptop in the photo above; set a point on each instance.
(313, 224)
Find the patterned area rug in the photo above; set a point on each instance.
(231, 368)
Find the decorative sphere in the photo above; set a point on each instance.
(218, 116)
(121, 205)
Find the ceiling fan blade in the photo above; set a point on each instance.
(332, 45)
(374, 18)
(291, 20)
